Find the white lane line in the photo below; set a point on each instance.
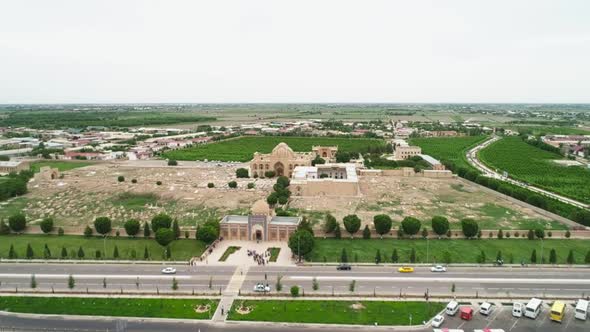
(92, 276)
(431, 280)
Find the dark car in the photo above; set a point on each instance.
(343, 267)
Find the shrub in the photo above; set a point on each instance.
(242, 173)
(210, 185)
(294, 291)
(411, 226)
(232, 184)
(531, 234)
(352, 223)
(102, 225)
(469, 227)
(46, 225)
(159, 183)
(272, 199)
(134, 181)
(88, 231)
(172, 162)
(132, 227)
(161, 220)
(330, 224)
(60, 231)
(269, 174)
(382, 223)
(208, 232)
(164, 236)
(251, 185)
(366, 233)
(17, 222)
(121, 178)
(568, 234)
(500, 235)
(540, 233)
(4, 229)
(549, 234)
(440, 225)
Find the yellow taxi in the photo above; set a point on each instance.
(406, 269)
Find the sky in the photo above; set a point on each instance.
(294, 51)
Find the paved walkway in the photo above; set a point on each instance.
(230, 293)
(241, 257)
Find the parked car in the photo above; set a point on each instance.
(485, 308)
(437, 320)
(438, 268)
(517, 309)
(260, 287)
(466, 313)
(343, 267)
(406, 269)
(169, 270)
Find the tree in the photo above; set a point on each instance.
(81, 253)
(174, 284)
(283, 181)
(88, 231)
(17, 222)
(499, 256)
(146, 230)
(305, 225)
(440, 225)
(500, 234)
(161, 220)
(210, 185)
(318, 161)
(98, 254)
(116, 252)
(46, 225)
(366, 233)
(539, 233)
(411, 226)
(121, 178)
(30, 254)
(232, 184)
(301, 243)
(242, 173)
(133, 180)
(208, 232)
(102, 225)
(394, 256)
(168, 252)
(172, 162)
(531, 234)
(272, 199)
(337, 232)
(4, 229)
(352, 223)
(469, 227)
(294, 291)
(164, 236)
(60, 231)
(315, 285)
(568, 234)
(570, 257)
(378, 257)
(279, 284)
(33, 281)
(382, 224)
(552, 256)
(12, 253)
(352, 286)
(534, 256)
(71, 282)
(481, 259)
(64, 253)
(146, 253)
(132, 227)
(46, 252)
(413, 256)
(343, 256)
(587, 258)
(176, 229)
(424, 232)
(330, 224)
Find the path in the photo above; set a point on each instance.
(231, 292)
(472, 158)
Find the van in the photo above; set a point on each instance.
(452, 308)
(485, 308)
(557, 311)
(517, 308)
(466, 313)
(581, 309)
(533, 308)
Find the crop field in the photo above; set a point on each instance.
(542, 130)
(448, 148)
(535, 166)
(243, 148)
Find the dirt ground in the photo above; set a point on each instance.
(86, 193)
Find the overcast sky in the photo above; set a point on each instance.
(294, 51)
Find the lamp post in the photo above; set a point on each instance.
(427, 248)
(299, 248)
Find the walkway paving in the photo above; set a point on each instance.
(241, 257)
(230, 293)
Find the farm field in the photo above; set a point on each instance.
(448, 148)
(181, 250)
(460, 250)
(62, 166)
(542, 130)
(243, 148)
(120, 307)
(335, 312)
(535, 166)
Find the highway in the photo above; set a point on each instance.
(498, 282)
(475, 162)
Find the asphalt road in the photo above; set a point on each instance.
(483, 281)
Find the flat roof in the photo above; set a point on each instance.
(285, 220)
(235, 219)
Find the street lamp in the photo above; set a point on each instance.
(299, 248)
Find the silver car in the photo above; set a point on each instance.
(260, 287)
(169, 270)
(438, 268)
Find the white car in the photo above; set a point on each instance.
(438, 320)
(169, 270)
(260, 287)
(486, 308)
(438, 268)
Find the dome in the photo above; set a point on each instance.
(261, 207)
(283, 150)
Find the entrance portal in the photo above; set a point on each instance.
(258, 235)
(279, 169)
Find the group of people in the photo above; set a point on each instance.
(260, 259)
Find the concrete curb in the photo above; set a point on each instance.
(90, 261)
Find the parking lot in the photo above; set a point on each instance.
(501, 318)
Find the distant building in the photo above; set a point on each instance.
(405, 152)
(7, 167)
(325, 180)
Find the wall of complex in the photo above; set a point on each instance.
(325, 187)
(407, 172)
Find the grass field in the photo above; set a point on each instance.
(337, 312)
(230, 250)
(530, 164)
(135, 201)
(448, 148)
(243, 148)
(120, 307)
(12, 207)
(61, 165)
(181, 249)
(460, 250)
(274, 254)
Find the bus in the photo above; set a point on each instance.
(533, 308)
(557, 311)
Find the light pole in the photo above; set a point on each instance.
(427, 248)
(298, 248)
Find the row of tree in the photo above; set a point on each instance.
(15, 184)
(78, 254)
(281, 192)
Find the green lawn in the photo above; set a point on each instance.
(274, 254)
(61, 165)
(336, 312)
(461, 250)
(448, 148)
(243, 148)
(16, 205)
(120, 307)
(181, 250)
(135, 201)
(535, 166)
(230, 250)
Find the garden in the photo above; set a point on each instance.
(452, 149)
